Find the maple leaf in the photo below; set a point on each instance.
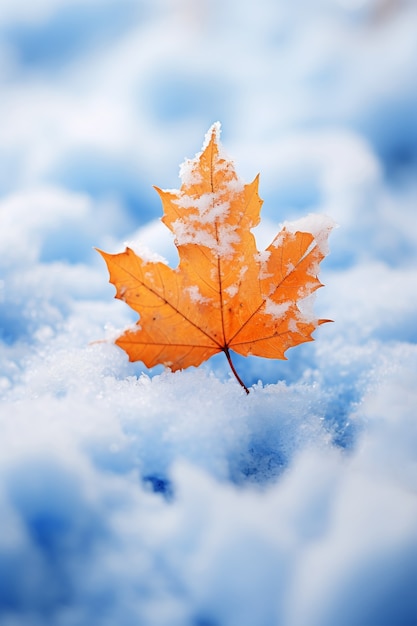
(224, 295)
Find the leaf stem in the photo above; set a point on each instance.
(232, 367)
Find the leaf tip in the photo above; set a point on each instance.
(101, 252)
(213, 134)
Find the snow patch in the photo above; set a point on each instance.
(319, 226)
(195, 295)
(222, 246)
(275, 310)
(145, 253)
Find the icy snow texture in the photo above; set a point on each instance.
(135, 497)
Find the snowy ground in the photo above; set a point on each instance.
(132, 497)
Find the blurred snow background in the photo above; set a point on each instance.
(134, 497)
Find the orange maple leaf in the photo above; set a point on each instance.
(224, 295)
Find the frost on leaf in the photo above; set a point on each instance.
(224, 295)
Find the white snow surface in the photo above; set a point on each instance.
(130, 496)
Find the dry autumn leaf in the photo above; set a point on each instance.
(224, 295)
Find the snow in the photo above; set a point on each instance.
(275, 310)
(195, 295)
(131, 496)
(318, 225)
(222, 245)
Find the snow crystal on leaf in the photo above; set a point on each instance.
(232, 290)
(279, 239)
(208, 206)
(234, 186)
(293, 325)
(276, 310)
(189, 173)
(222, 246)
(262, 258)
(145, 253)
(195, 294)
(306, 307)
(318, 225)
